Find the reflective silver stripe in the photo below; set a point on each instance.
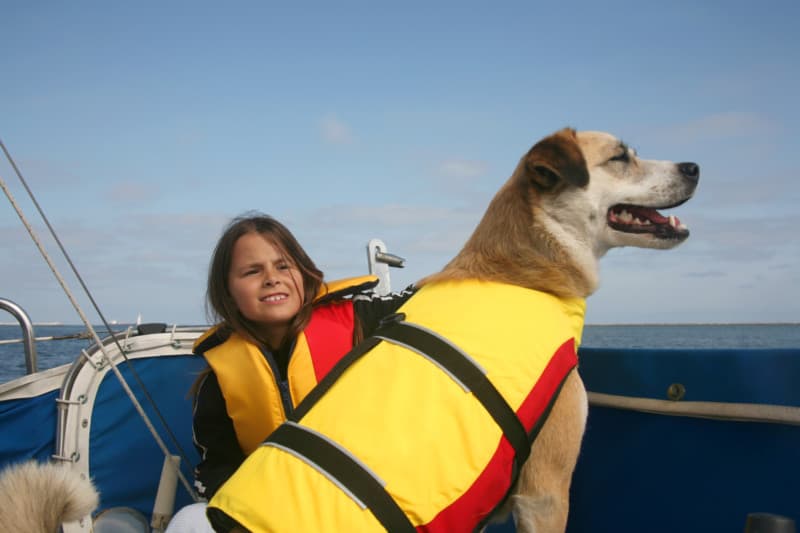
(319, 469)
(463, 354)
(423, 354)
(336, 445)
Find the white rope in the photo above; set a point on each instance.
(92, 331)
(49, 338)
(738, 412)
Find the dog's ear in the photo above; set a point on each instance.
(557, 158)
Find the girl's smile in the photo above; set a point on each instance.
(266, 286)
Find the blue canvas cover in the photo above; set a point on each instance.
(128, 474)
(657, 473)
(32, 434)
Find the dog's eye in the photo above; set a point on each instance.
(623, 157)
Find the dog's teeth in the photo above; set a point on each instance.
(673, 221)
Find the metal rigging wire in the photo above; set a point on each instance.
(89, 326)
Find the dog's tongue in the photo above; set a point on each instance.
(646, 213)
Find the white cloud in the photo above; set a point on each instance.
(153, 264)
(461, 169)
(394, 215)
(724, 126)
(40, 173)
(130, 193)
(334, 131)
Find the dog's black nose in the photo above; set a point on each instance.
(690, 170)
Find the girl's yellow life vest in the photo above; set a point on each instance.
(248, 382)
(446, 468)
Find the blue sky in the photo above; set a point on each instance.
(143, 127)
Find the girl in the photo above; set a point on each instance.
(280, 328)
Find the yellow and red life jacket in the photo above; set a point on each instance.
(417, 434)
(247, 380)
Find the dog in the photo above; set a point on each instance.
(39, 497)
(403, 435)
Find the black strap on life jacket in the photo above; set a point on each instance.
(330, 378)
(462, 367)
(345, 471)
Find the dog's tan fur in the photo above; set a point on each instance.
(39, 497)
(546, 229)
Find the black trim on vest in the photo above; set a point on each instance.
(534, 432)
(220, 335)
(347, 292)
(331, 377)
(346, 471)
(221, 521)
(461, 366)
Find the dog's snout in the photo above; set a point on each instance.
(690, 170)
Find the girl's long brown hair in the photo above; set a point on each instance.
(220, 307)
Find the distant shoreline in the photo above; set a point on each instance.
(63, 325)
(633, 325)
(615, 324)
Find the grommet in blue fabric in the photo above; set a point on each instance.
(676, 392)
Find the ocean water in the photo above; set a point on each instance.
(49, 353)
(694, 336)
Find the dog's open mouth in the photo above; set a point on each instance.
(639, 219)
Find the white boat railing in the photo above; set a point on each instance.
(28, 338)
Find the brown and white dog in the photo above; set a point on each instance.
(39, 497)
(572, 197)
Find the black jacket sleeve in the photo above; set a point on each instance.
(214, 438)
(370, 308)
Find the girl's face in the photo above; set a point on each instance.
(266, 286)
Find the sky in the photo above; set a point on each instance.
(142, 128)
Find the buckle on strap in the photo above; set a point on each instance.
(388, 320)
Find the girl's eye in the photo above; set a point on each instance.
(284, 266)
